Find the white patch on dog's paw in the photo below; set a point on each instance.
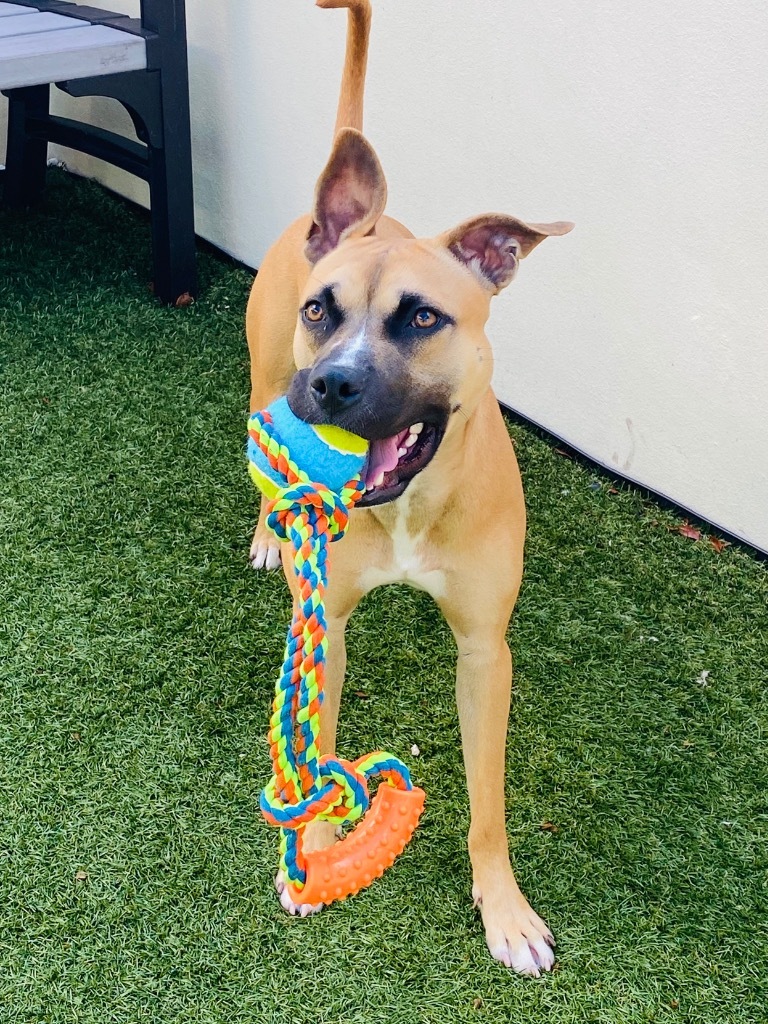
(265, 553)
(294, 909)
(516, 936)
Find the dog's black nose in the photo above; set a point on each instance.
(335, 390)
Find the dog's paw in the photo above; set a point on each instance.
(265, 550)
(516, 936)
(294, 909)
(317, 836)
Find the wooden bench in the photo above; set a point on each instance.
(142, 63)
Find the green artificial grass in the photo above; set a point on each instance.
(137, 657)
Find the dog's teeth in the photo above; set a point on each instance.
(379, 479)
(411, 440)
(416, 428)
(401, 452)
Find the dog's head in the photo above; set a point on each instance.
(390, 341)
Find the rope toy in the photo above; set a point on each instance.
(309, 512)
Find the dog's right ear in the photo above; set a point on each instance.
(350, 195)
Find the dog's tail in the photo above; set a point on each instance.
(349, 113)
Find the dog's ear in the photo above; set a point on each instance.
(492, 244)
(350, 195)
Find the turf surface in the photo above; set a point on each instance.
(137, 658)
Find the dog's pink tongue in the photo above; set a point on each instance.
(381, 458)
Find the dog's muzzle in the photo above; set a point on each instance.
(403, 427)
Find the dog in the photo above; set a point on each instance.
(366, 327)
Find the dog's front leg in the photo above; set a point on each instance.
(269, 321)
(516, 935)
(265, 550)
(319, 834)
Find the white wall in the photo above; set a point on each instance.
(641, 338)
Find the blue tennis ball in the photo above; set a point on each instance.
(327, 454)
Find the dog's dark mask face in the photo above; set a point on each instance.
(378, 367)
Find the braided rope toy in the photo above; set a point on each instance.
(309, 513)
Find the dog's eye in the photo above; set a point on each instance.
(314, 312)
(424, 318)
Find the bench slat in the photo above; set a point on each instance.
(61, 54)
(11, 10)
(24, 25)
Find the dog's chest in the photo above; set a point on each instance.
(409, 560)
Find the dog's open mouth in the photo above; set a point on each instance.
(394, 461)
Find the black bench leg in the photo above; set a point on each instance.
(171, 199)
(26, 158)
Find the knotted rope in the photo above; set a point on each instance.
(305, 785)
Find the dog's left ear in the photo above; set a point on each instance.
(492, 244)
(350, 195)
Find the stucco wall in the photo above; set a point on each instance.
(641, 338)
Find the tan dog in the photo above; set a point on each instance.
(387, 333)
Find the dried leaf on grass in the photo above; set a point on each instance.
(686, 530)
(718, 544)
